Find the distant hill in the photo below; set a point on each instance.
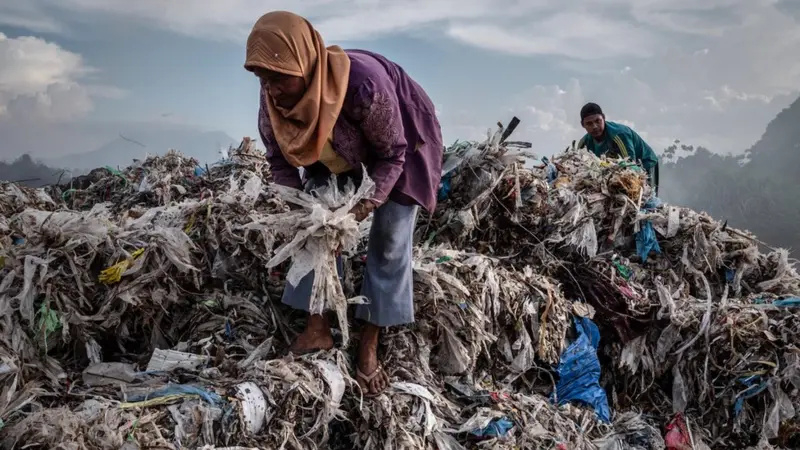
(777, 153)
(24, 170)
(138, 143)
(758, 191)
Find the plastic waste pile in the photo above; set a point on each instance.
(559, 305)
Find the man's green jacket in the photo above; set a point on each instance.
(620, 141)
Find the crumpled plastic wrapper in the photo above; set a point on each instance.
(324, 227)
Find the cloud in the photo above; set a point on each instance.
(231, 20)
(39, 80)
(58, 101)
(711, 72)
(549, 116)
(28, 64)
(722, 31)
(729, 41)
(106, 91)
(710, 18)
(28, 15)
(577, 34)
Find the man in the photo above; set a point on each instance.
(617, 141)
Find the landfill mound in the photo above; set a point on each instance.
(559, 305)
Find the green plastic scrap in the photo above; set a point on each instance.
(66, 193)
(210, 303)
(113, 171)
(135, 425)
(630, 165)
(431, 237)
(623, 270)
(48, 322)
(117, 173)
(444, 259)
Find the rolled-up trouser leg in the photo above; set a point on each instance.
(388, 277)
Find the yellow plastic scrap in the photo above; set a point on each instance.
(190, 223)
(561, 181)
(631, 183)
(114, 273)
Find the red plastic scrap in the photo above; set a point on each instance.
(625, 290)
(499, 397)
(677, 437)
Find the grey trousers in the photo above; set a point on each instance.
(388, 278)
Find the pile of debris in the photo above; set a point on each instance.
(559, 305)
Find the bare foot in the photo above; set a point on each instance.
(316, 336)
(372, 379)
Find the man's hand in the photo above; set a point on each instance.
(362, 210)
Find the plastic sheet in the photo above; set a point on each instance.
(678, 437)
(579, 371)
(646, 241)
(253, 406)
(444, 188)
(322, 229)
(791, 302)
(496, 428)
(653, 203)
(178, 389)
(782, 410)
(551, 170)
(755, 385)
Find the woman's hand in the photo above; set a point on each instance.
(362, 210)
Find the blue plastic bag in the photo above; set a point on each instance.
(730, 275)
(646, 241)
(552, 170)
(496, 428)
(179, 389)
(444, 188)
(791, 302)
(579, 371)
(755, 385)
(653, 203)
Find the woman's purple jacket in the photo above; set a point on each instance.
(388, 123)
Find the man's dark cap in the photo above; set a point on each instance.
(591, 109)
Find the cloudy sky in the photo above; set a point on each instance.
(714, 72)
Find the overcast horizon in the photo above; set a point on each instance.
(75, 73)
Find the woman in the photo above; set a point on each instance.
(328, 111)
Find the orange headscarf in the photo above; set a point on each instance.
(287, 43)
